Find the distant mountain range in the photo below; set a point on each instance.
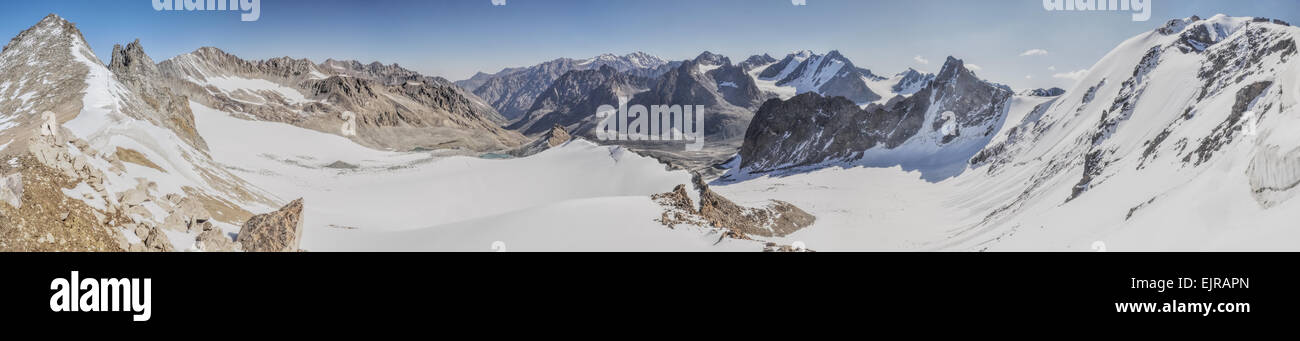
(512, 91)
(535, 99)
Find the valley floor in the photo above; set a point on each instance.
(577, 197)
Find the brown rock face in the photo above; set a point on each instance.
(558, 136)
(678, 208)
(46, 219)
(777, 219)
(279, 231)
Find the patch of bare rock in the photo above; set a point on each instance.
(777, 219)
(279, 231)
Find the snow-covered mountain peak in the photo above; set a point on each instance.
(42, 69)
(642, 60)
(631, 61)
(951, 68)
(910, 81)
(712, 59)
(604, 57)
(50, 31)
(830, 75)
(835, 55)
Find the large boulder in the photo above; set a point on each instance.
(157, 241)
(213, 239)
(279, 231)
(11, 190)
(187, 215)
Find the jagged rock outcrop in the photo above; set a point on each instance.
(279, 231)
(678, 208)
(133, 68)
(777, 219)
(392, 107)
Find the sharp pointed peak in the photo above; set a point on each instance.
(53, 17)
(51, 28)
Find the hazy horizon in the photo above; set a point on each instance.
(1033, 48)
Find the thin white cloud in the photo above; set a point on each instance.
(974, 67)
(1075, 75)
(1034, 52)
(918, 59)
(1051, 68)
(1029, 76)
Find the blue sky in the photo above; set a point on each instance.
(455, 38)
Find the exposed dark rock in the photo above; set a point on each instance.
(1040, 92)
(1230, 129)
(810, 129)
(341, 165)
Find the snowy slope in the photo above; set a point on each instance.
(768, 85)
(903, 84)
(104, 135)
(577, 197)
(1151, 151)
